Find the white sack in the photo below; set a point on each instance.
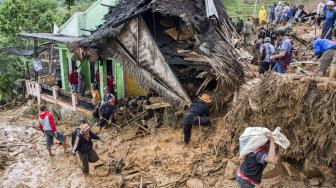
(255, 137)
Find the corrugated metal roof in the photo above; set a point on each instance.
(50, 36)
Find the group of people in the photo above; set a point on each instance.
(281, 14)
(273, 50)
(249, 173)
(81, 138)
(77, 81)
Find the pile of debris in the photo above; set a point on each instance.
(304, 107)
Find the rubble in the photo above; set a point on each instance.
(302, 106)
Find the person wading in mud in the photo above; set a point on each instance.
(198, 113)
(82, 144)
(249, 173)
(48, 127)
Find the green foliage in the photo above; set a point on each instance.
(29, 16)
(17, 16)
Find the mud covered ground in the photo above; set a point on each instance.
(156, 160)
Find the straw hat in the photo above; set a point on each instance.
(84, 127)
(205, 98)
(330, 3)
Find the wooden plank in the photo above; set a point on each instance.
(157, 106)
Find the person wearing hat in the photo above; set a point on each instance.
(285, 52)
(266, 51)
(197, 114)
(329, 18)
(83, 146)
(48, 126)
(106, 112)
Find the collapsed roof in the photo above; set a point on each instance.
(179, 49)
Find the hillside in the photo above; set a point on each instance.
(244, 8)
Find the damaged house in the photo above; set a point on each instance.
(176, 49)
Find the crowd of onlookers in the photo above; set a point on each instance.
(273, 48)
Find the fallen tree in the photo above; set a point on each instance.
(305, 109)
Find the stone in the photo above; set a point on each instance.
(194, 183)
(226, 183)
(230, 170)
(102, 171)
(271, 171)
(314, 182)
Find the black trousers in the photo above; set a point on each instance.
(90, 156)
(187, 126)
(266, 66)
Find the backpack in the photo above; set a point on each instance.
(74, 135)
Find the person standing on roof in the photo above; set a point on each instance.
(82, 144)
(284, 56)
(324, 50)
(329, 20)
(198, 113)
(250, 172)
(73, 80)
(248, 31)
(266, 51)
(48, 127)
(262, 15)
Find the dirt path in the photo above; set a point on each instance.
(157, 160)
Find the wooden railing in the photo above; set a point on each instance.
(60, 97)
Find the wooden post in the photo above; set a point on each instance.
(55, 94)
(38, 87)
(102, 76)
(74, 100)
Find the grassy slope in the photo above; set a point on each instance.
(237, 8)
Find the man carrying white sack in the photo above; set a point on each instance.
(257, 148)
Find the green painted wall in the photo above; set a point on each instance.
(89, 20)
(119, 79)
(64, 68)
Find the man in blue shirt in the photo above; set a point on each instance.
(325, 50)
(329, 20)
(284, 56)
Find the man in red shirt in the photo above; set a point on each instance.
(73, 80)
(48, 127)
